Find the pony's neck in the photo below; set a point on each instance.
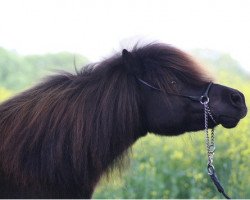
(113, 120)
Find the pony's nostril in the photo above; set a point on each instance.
(236, 99)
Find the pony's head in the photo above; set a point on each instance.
(171, 85)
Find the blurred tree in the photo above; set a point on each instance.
(19, 72)
(223, 65)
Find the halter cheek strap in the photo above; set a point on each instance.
(204, 99)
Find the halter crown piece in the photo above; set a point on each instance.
(210, 144)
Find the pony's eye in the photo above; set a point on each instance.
(173, 82)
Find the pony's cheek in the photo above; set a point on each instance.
(165, 122)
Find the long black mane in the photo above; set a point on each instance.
(68, 130)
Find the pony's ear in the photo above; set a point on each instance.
(131, 63)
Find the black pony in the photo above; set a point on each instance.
(59, 137)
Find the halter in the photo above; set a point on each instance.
(202, 98)
(210, 144)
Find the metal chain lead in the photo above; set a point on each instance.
(210, 144)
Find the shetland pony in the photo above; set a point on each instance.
(58, 138)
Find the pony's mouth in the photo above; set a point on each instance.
(228, 122)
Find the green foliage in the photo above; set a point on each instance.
(161, 167)
(4, 94)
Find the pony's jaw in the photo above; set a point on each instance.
(228, 122)
(231, 121)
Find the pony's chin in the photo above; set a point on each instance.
(228, 122)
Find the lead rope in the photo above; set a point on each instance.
(210, 144)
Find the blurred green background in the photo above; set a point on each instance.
(159, 167)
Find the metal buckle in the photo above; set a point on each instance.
(210, 169)
(204, 99)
